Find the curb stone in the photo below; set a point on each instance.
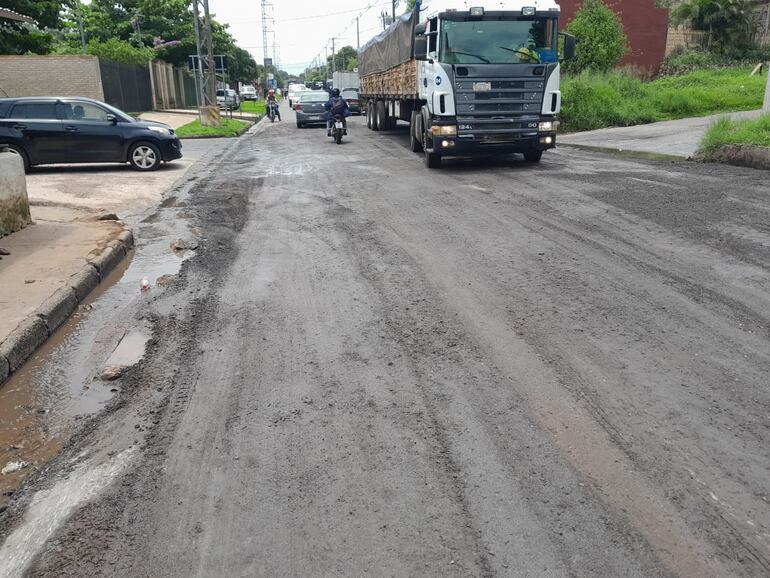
(54, 311)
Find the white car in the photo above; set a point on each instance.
(228, 99)
(249, 93)
(295, 91)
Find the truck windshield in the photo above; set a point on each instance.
(498, 41)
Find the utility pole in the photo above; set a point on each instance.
(209, 110)
(333, 57)
(358, 35)
(79, 16)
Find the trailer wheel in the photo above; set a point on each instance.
(369, 116)
(415, 132)
(382, 116)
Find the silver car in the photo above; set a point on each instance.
(310, 108)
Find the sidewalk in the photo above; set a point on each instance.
(679, 138)
(185, 115)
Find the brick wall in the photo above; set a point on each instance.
(646, 27)
(69, 75)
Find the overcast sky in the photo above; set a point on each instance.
(302, 27)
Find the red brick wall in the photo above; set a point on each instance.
(645, 25)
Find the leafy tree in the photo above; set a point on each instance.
(20, 37)
(346, 58)
(729, 23)
(601, 40)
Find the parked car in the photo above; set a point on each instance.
(50, 130)
(228, 99)
(310, 108)
(351, 96)
(249, 93)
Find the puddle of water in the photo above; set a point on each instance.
(129, 351)
(49, 508)
(41, 404)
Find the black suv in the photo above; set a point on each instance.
(48, 130)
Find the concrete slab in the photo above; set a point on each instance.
(674, 138)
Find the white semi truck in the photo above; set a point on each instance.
(471, 77)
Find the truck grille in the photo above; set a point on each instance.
(498, 109)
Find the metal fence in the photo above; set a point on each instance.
(126, 86)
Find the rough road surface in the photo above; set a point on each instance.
(492, 369)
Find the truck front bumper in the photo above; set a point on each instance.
(459, 146)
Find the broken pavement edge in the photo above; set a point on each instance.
(35, 330)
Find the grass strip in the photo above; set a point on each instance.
(592, 101)
(727, 132)
(229, 127)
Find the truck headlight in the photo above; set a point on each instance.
(548, 125)
(444, 130)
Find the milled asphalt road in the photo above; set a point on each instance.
(492, 369)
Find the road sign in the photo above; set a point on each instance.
(220, 62)
(268, 61)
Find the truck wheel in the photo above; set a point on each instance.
(369, 116)
(382, 116)
(533, 156)
(415, 132)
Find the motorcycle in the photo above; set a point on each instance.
(271, 112)
(338, 129)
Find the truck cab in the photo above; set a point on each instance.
(472, 77)
(489, 76)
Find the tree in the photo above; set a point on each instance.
(20, 37)
(346, 58)
(729, 23)
(601, 41)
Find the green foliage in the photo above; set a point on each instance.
(601, 41)
(684, 61)
(599, 100)
(727, 132)
(229, 127)
(729, 23)
(23, 38)
(344, 59)
(120, 51)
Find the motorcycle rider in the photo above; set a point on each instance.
(272, 101)
(336, 105)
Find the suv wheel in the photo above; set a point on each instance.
(144, 156)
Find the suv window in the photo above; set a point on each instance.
(84, 111)
(35, 110)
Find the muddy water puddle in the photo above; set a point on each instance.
(60, 385)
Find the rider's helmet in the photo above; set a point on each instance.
(336, 92)
(270, 92)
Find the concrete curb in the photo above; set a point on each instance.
(54, 311)
(626, 152)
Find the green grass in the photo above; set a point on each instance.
(230, 127)
(594, 101)
(253, 106)
(726, 132)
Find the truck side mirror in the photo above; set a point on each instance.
(419, 30)
(569, 46)
(421, 47)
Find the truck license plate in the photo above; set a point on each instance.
(482, 86)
